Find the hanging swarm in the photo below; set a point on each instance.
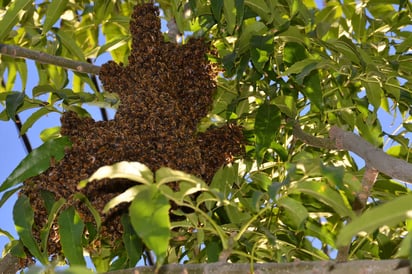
(164, 90)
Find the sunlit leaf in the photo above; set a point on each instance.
(166, 175)
(125, 197)
(50, 133)
(53, 13)
(134, 171)
(389, 214)
(37, 161)
(12, 16)
(248, 31)
(33, 118)
(71, 233)
(229, 10)
(149, 215)
(66, 38)
(286, 104)
(8, 194)
(374, 93)
(326, 195)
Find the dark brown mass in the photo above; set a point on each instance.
(164, 90)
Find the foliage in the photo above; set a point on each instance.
(341, 63)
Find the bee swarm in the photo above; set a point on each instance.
(164, 90)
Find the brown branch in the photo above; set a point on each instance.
(368, 180)
(19, 52)
(374, 157)
(312, 140)
(9, 264)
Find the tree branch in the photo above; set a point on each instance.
(9, 264)
(368, 180)
(19, 52)
(374, 157)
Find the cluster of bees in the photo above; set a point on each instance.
(165, 90)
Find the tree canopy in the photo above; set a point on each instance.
(246, 131)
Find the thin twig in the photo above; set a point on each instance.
(19, 52)
(24, 137)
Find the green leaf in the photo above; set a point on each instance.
(260, 8)
(50, 133)
(261, 50)
(371, 132)
(248, 31)
(393, 88)
(267, 124)
(134, 171)
(52, 214)
(71, 229)
(42, 89)
(374, 93)
(313, 90)
(261, 179)
(388, 214)
(299, 66)
(66, 38)
(149, 215)
(22, 69)
(33, 118)
(23, 217)
(326, 195)
(53, 13)
(346, 48)
(7, 234)
(294, 52)
(13, 102)
(125, 197)
(12, 17)
(229, 10)
(295, 211)
(81, 197)
(216, 6)
(213, 249)
(16, 249)
(37, 161)
(132, 243)
(8, 194)
(286, 104)
(49, 199)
